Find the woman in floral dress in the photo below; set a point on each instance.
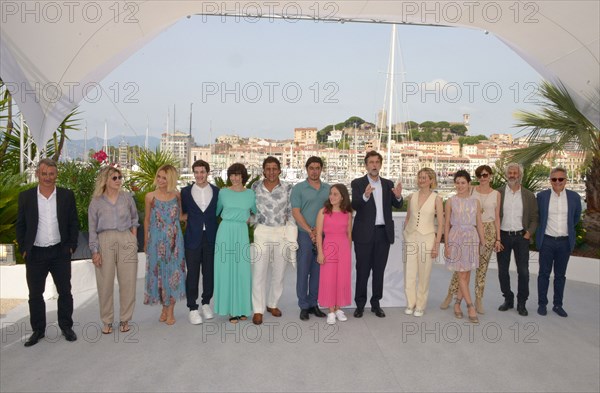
(163, 244)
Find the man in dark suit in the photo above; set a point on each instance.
(47, 232)
(518, 221)
(373, 230)
(199, 202)
(560, 211)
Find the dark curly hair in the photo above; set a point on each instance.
(345, 204)
(462, 173)
(238, 169)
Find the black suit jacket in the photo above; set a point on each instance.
(27, 219)
(197, 218)
(364, 221)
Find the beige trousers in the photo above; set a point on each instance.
(119, 253)
(418, 267)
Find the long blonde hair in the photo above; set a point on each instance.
(102, 179)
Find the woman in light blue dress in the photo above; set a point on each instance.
(233, 275)
(163, 243)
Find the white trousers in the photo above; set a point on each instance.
(269, 249)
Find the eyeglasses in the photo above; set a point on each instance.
(115, 178)
(483, 175)
(558, 179)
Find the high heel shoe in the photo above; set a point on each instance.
(472, 319)
(458, 314)
(479, 306)
(446, 302)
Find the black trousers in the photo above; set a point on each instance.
(520, 245)
(371, 256)
(202, 258)
(55, 260)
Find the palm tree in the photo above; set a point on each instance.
(148, 163)
(559, 124)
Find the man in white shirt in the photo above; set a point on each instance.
(518, 222)
(47, 231)
(199, 203)
(274, 213)
(560, 211)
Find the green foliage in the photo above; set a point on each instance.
(442, 124)
(80, 177)
(534, 176)
(458, 129)
(559, 123)
(471, 140)
(149, 162)
(428, 124)
(10, 187)
(351, 122)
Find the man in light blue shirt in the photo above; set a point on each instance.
(307, 198)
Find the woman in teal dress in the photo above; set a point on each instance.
(233, 292)
(163, 243)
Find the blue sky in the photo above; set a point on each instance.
(279, 75)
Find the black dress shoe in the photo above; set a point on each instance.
(358, 313)
(542, 310)
(304, 314)
(560, 311)
(522, 310)
(378, 311)
(317, 311)
(69, 334)
(34, 338)
(506, 306)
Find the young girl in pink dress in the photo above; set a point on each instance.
(334, 239)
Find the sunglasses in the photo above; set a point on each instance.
(115, 178)
(558, 179)
(483, 175)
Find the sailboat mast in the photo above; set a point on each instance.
(391, 102)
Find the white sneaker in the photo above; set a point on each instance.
(341, 316)
(331, 318)
(207, 312)
(418, 313)
(408, 311)
(195, 318)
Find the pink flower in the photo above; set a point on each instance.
(100, 156)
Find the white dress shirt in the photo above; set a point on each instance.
(557, 215)
(512, 218)
(202, 196)
(377, 194)
(48, 233)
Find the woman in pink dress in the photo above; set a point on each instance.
(334, 239)
(463, 233)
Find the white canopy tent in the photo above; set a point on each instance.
(54, 53)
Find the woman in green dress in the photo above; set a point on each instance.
(233, 292)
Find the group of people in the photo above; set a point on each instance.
(480, 220)
(309, 225)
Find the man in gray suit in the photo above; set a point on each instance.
(518, 222)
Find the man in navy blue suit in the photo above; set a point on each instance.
(199, 202)
(560, 211)
(373, 230)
